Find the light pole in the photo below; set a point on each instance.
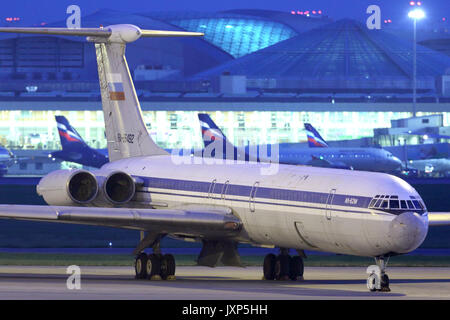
(415, 14)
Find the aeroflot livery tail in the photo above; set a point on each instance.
(314, 138)
(75, 149)
(223, 203)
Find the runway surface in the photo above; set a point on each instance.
(222, 283)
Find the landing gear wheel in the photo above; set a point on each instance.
(371, 282)
(385, 283)
(269, 266)
(282, 267)
(296, 268)
(153, 267)
(139, 266)
(167, 267)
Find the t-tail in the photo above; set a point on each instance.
(315, 140)
(126, 132)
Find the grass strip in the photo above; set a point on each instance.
(51, 259)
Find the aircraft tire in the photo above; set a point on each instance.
(167, 266)
(153, 266)
(282, 267)
(269, 266)
(385, 283)
(296, 268)
(139, 266)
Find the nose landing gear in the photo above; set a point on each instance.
(378, 280)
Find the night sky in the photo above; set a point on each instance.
(32, 11)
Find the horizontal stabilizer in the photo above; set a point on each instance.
(113, 33)
(164, 33)
(87, 32)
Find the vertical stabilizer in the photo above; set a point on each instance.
(126, 132)
(212, 133)
(315, 140)
(67, 134)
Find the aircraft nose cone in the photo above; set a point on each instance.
(394, 164)
(407, 231)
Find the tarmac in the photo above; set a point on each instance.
(220, 283)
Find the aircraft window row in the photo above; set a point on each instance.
(390, 202)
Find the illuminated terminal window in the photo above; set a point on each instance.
(28, 129)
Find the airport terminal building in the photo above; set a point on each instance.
(260, 74)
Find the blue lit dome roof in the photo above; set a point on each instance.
(343, 54)
(240, 32)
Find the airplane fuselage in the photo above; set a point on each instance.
(297, 207)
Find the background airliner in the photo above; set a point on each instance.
(367, 159)
(358, 158)
(7, 159)
(220, 203)
(75, 149)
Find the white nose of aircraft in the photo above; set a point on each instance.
(407, 231)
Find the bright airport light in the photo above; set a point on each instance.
(416, 14)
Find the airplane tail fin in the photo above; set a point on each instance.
(126, 132)
(315, 140)
(211, 132)
(67, 134)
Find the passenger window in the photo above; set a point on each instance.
(403, 204)
(393, 204)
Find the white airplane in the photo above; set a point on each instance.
(224, 203)
(430, 165)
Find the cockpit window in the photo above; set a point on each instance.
(410, 204)
(403, 204)
(392, 204)
(417, 205)
(377, 205)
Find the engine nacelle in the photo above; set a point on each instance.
(68, 187)
(118, 188)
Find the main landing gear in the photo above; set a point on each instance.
(155, 266)
(283, 266)
(378, 280)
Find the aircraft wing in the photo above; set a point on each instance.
(200, 222)
(438, 219)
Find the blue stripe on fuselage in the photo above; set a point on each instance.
(261, 192)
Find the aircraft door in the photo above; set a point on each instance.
(329, 203)
(212, 186)
(251, 201)
(223, 195)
